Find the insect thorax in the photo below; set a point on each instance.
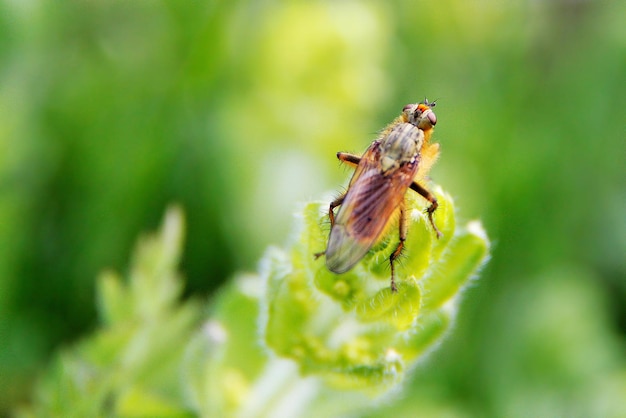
(401, 145)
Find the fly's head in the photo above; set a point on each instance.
(420, 115)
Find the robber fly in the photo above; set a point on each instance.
(393, 163)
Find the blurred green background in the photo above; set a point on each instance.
(111, 110)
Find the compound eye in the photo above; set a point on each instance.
(432, 118)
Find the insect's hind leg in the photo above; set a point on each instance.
(331, 215)
(415, 186)
(402, 231)
(337, 202)
(352, 160)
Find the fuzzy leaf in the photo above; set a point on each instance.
(350, 329)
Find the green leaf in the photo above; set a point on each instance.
(130, 366)
(350, 329)
(294, 340)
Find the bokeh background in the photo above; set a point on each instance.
(110, 110)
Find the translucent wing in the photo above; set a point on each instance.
(372, 198)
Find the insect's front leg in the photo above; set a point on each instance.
(351, 159)
(433, 204)
(402, 231)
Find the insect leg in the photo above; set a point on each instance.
(433, 203)
(402, 231)
(351, 159)
(331, 215)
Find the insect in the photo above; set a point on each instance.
(395, 162)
